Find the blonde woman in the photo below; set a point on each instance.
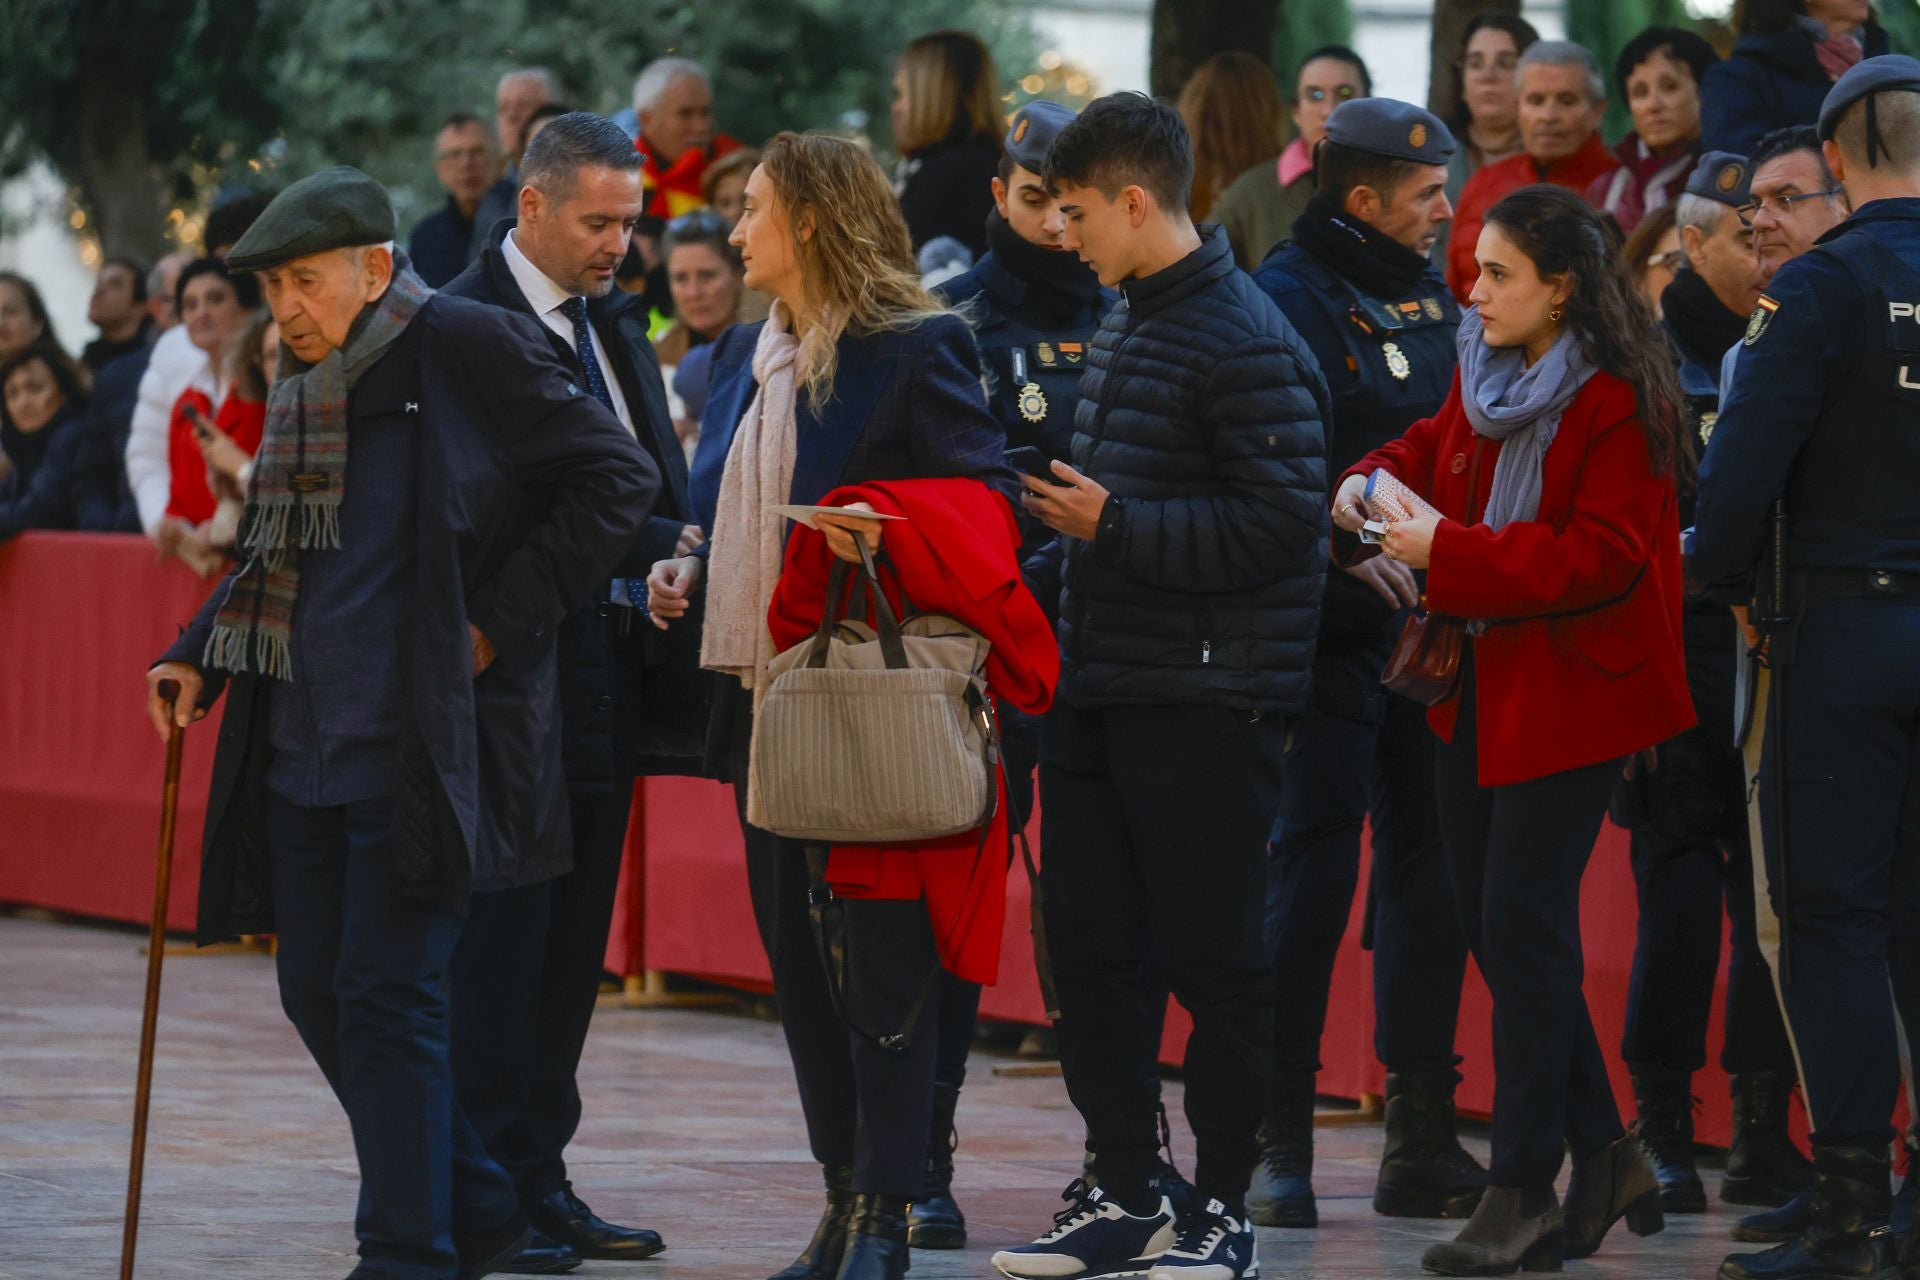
(946, 129)
(858, 375)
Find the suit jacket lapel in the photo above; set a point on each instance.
(621, 323)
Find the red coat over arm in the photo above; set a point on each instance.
(1583, 660)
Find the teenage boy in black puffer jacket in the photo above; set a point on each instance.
(1188, 576)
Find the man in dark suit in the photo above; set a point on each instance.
(432, 491)
(528, 969)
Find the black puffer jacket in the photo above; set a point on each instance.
(1202, 412)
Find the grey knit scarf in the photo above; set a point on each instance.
(1507, 401)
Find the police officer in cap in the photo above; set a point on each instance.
(1357, 283)
(1685, 802)
(1824, 413)
(1034, 308)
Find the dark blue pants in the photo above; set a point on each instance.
(1515, 855)
(526, 978)
(1155, 822)
(363, 977)
(1359, 750)
(1853, 796)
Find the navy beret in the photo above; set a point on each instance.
(1722, 176)
(1388, 127)
(336, 208)
(1033, 130)
(1890, 71)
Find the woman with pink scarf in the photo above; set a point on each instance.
(1659, 74)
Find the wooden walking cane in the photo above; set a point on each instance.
(156, 952)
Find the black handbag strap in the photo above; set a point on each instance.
(886, 623)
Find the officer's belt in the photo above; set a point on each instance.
(1855, 584)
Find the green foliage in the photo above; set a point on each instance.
(1901, 18)
(1305, 25)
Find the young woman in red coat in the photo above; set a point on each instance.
(1564, 557)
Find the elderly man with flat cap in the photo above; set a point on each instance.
(1357, 282)
(1823, 418)
(434, 492)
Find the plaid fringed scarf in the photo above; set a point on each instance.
(299, 480)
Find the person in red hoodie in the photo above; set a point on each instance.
(1563, 98)
(1557, 540)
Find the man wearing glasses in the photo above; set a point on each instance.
(466, 164)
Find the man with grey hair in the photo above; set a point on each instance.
(527, 972)
(673, 105)
(1563, 98)
(520, 93)
(433, 488)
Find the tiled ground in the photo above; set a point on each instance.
(691, 1127)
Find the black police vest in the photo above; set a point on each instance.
(1854, 497)
(1398, 364)
(1705, 624)
(1033, 369)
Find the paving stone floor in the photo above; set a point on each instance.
(691, 1127)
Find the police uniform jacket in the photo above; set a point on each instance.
(1824, 409)
(527, 492)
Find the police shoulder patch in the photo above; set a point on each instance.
(1762, 316)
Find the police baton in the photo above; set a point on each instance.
(169, 691)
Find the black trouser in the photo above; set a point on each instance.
(363, 977)
(1359, 749)
(526, 978)
(865, 1106)
(1853, 760)
(1516, 855)
(1155, 822)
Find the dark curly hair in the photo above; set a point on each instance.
(1562, 235)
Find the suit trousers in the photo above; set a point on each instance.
(526, 978)
(1516, 855)
(1155, 825)
(363, 976)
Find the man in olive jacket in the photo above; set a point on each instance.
(433, 493)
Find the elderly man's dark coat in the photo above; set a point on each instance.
(528, 491)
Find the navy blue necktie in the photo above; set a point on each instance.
(575, 309)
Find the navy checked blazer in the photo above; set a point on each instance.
(907, 404)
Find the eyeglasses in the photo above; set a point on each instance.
(699, 222)
(464, 153)
(1671, 260)
(1778, 206)
(1313, 94)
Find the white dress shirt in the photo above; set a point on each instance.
(546, 298)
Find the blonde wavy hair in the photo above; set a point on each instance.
(855, 257)
(953, 90)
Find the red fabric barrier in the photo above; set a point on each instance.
(82, 616)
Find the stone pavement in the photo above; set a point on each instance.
(691, 1127)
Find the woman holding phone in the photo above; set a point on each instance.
(858, 375)
(1552, 467)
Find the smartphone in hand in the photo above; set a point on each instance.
(1032, 462)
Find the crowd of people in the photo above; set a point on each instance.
(1307, 459)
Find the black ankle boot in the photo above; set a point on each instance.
(1615, 1182)
(1665, 1102)
(1763, 1165)
(1846, 1235)
(1281, 1194)
(1776, 1226)
(821, 1258)
(935, 1221)
(1501, 1237)
(876, 1239)
(1424, 1172)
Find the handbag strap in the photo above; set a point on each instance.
(834, 611)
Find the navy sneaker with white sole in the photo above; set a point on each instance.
(1213, 1245)
(1093, 1237)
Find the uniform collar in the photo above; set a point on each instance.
(1895, 209)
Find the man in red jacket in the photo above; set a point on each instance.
(1562, 99)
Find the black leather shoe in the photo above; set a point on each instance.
(1763, 1165)
(1777, 1226)
(1424, 1171)
(935, 1220)
(542, 1257)
(564, 1218)
(1846, 1238)
(876, 1239)
(1615, 1182)
(1665, 1103)
(489, 1253)
(820, 1260)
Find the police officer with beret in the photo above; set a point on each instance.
(1034, 308)
(434, 491)
(1356, 281)
(1823, 419)
(1684, 802)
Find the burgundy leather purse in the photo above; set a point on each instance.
(1425, 665)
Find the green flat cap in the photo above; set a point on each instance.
(333, 209)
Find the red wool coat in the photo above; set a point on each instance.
(956, 554)
(1586, 664)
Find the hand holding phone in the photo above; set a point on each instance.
(1029, 461)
